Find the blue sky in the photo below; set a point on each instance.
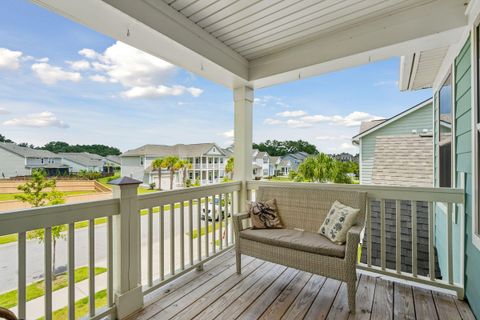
(62, 81)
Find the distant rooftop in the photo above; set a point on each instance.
(27, 152)
(180, 150)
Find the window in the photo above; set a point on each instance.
(141, 161)
(445, 134)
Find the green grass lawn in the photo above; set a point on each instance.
(81, 307)
(281, 179)
(11, 196)
(36, 289)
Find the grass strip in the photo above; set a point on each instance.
(81, 307)
(36, 289)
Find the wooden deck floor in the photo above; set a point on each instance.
(270, 291)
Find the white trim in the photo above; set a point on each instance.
(453, 155)
(394, 118)
(360, 164)
(475, 172)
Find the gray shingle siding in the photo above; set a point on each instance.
(417, 120)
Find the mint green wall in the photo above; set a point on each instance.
(417, 120)
(463, 165)
(463, 140)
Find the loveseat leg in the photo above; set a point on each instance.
(352, 293)
(238, 258)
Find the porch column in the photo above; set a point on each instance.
(127, 284)
(243, 103)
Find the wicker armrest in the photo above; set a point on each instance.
(237, 220)
(353, 239)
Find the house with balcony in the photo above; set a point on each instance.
(207, 163)
(260, 164)
(17, 161)
(156, 268)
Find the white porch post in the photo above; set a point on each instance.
(243, 103)
(127, 285)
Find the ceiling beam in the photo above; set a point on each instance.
(428, 26)
(156, 28)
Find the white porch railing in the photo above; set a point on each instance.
(154, 238)
(433, 197)
(194, 235)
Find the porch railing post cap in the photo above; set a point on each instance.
(124, 181)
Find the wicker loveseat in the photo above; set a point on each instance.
(302, 211)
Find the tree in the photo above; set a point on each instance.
(100, 149)
(184, 166)
(3, 139)
(157, 164)
(322, 168)
(170, 164)
(229, 166)
(40, 192)
(281, 148)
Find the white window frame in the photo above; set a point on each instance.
(475, 140)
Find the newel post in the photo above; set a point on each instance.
(243, 118)
(127, 284)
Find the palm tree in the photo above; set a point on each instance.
(183, 165)
(170, 164)
(229, 167)
(157, 164)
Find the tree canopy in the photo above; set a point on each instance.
(281, 148)
(100, 149)
(322, 168)
(4, 139)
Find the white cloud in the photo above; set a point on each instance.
(292, 114)
(89, 53)
(160, 91)
(142, 74)
(50, 74)
(386, 83)
(39, 120)
(227, 134)
(79, 65)
(98, 78)
(331, 138)
(351, 120)
(271, 121)
(292, 123)
(9, 60)
(4, 111)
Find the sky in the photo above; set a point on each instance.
(61, 81)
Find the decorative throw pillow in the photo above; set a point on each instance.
(339, 220)
(264, 214)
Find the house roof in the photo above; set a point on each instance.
(180, 150)
(27, 152)
(418, 70)
(274, 159)
(298, 155)
(83, 158)
(406, 237)
(405, 160)
(261, 154)
(367, 127)
(114, 159)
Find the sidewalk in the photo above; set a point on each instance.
(36, 307)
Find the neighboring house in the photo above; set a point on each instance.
(343, 157)
(82, 161)
(261, 164)
(112, 163)
(20, 161)
(399, 152)
(415, 126)
(207, 159)
(295, 159)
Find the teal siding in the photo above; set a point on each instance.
(418, 120)
(463, 166)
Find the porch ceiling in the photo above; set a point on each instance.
(261, 43)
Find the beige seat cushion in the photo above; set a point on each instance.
(297, 240)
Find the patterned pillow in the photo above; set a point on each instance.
(264, 215)
(339, 220)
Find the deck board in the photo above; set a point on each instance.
(269, 291)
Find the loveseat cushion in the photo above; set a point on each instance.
(296, 240)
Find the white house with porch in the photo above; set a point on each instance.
(208, 162)
(247, 45)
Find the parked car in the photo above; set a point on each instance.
(218, 209)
